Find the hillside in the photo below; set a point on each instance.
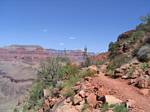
(118, 82)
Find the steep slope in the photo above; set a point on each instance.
(15, 79)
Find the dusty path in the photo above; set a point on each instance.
(126, 91)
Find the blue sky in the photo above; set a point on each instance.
(70, 24)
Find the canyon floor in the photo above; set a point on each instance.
(15, 78)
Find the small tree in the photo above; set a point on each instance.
(87, 61)
(49, 73)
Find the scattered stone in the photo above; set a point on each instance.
(82, 94)
(55, 92)
(125, 77)
(135, 74)
(130, 103)
(40, 110)
(112, 100)
(144, 81)
(77, 99)
(46, 92)
(68, 100)
(135, 62)
(101, 98)
(118, 70)
(87, 78)
(91, 100)
(80, 106)
(125, 66)
(93, 68)
(145, 92)
(47, 102)
(147, 72)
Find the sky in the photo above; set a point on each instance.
(68, 24)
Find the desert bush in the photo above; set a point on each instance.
(137, 35)
(145, 25)
(144, 53)
(35, 99)
(104, 107)
(68, 70)
(144, 66)
(120, 108)
(118, 61)
(50, 72)
(71, 81)
(113, 48)
(114, 107)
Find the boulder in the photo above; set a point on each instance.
(135, 62)
(77, 99)
(55, 92)
(46, 92)
(118, 70)
(91, 100)
(135, 74)
(147, 72)
(144, 81)
(82, 94)
(47, 102)
(93, 68)
(112, 100)
(103, 68)
(130, 103)
(125, 66)
(80, 106)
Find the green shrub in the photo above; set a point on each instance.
(104, 107)
(118, 61)
(68, 70)
(120, 108)
(144, 53)
(114, 107)
(71, 81)
(145, 25)
(35, 96)
(144, 66)
(50, 72)
(113, 48)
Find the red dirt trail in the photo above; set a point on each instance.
(125, 91)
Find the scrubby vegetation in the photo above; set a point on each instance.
(51, 73)
(131, 44)
(118, 61)
(115, 108)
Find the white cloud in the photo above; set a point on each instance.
(72, 38)
(61, 44)
(44, 30)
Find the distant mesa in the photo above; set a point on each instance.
(36, 53)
